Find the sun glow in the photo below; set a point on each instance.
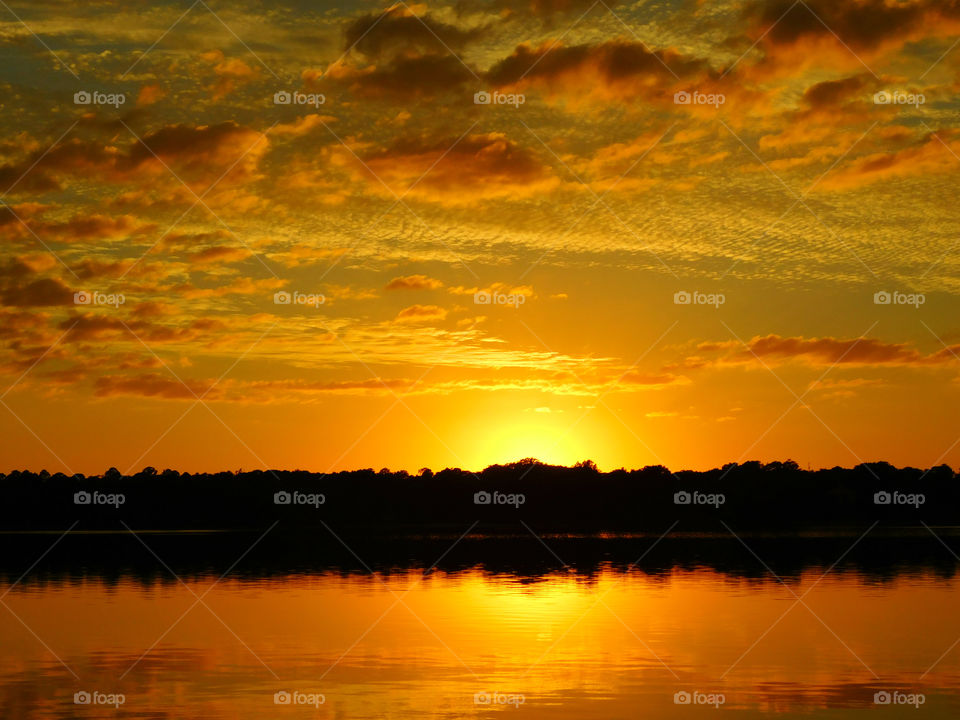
(555, 443)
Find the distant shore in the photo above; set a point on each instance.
(749, 496)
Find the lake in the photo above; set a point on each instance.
(677, 640)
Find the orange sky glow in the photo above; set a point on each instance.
(463, 233)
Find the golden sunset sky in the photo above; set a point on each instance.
(814, 166)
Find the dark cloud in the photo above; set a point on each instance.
(835, 92)
(20, 286)
(151, 385)
(618, 63)
(193, 152)
(414, 282)
(547, 10)
(404, 78)
(79, 228)
(219, 254)
(37, 293)
(36, 173)
(90, 327)
(90, 268)
(828, 351)
(794, 36)
(924, 157)
(861, 24)
(482, 165)
(397, 29)
(199, 151)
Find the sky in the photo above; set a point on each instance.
(332, 236)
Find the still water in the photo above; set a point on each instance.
(471, 642)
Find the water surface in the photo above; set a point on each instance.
(615, 642)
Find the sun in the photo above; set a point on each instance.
(547, 440)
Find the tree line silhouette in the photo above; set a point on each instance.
(550, 498)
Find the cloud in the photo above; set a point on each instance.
(219, 254)
(479, 166)
(546, 10)
(302, 125)
(192, 240)
(399, 29)
(93, 327)
(404, 78)
(231, 73)
(414, 282)
(150, 94)
(643, 379)
(199, 153)
(239, 286)
(935, 153)
(151, 385)
(795, 35)
(497, 287)
(165, 387)
(162, 386)
(421, 313)
(195, 153)
(87, 228)
(831, 93)
(843, 388)
(348, 292)
(614, 70)
(862, 24)
(153, 309)
(36, 172)
(39, 292)
(297, 255)
(90, 268)
(19, 286)
(826, 351)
